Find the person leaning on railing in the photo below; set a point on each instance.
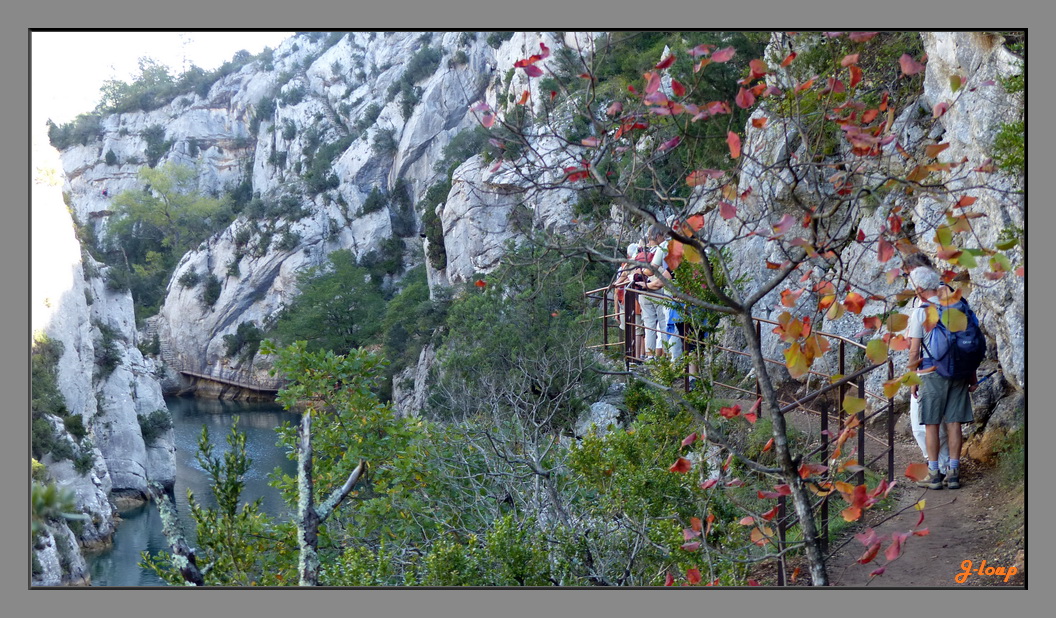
(623, 279)
(651, 280)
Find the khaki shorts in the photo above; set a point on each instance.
(943, 400)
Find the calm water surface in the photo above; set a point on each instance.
(140, 528)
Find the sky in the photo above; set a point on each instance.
(68, 68)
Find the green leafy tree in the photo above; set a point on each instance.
(151, 230)
(338, 308)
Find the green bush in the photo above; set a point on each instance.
(212, 290)
(245, 342)
(375, 201)
(157, 145)
(152, 426)
(384, 144)
(496, 39)
(111, 158)
(75, 426)
(189, 279)
(107, 354)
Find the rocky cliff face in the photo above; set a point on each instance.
(71, 305)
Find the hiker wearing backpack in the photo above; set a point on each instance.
(946, 360)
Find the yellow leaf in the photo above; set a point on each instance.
(851, 513)
(897, 322)
(844, 488)
(919, 506)
(853, 405)
(910, 378)
(891, 388)
(876, 350)
(931, 317)
(691, 255)
(835, 312)
(955, 320)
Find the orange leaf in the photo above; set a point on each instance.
(730, 412)
(965, 201)
(872, 322)
(851, 513)
(747, 521)
(759, 535)
(480, 283)
(769, 445)
(909, 65)
(934, 150)
(808, 469)
(769, 515)
(760, 122)
(734, 142)
(723, 55)
(854, 302)
(523, 99)
(695, 523)
(788, 59)
(795, 575)
(693, 575)
(917, 471)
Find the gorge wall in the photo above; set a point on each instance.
(354, 97)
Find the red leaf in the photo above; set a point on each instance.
(939, 109)
(747, 520)
(744, 98)
(677, 88)
(870, 553)
(727, 210)
(909, 65)
(735, 144)
(669, 580)
(553, 95)
(694, 546)
(788, 59)
(921, 532)
(669, 144)
(480, 283)
(861, 37)
(769, 515)
(723, 55)
(615, 109)
(546, 50)
(752, 582)
(666, 62)
(591, 142)
(688, 534)
(693, 575)
(708, 484)
(868, 537)
(751, 417)
(856, 77)
(785, 224)
(523, 99)
(730, 411)
(965, 201)
(808, 469)
(696, 524)
(652, 82)
(487, 119)
(760, 122)
(532, 70)
(690, 439)
(769, 445)
(681, 466)
(848, 60)
(879, 571)
(885, 250)
(700, 50)
(895, 549)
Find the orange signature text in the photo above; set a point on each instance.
(984, 570)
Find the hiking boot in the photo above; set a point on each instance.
(953, 479)
(934, 480)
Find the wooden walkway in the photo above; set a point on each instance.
(259, 388)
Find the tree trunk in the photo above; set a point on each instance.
(800, 498)
(307, 518)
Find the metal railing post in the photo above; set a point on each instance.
(860, 476)
(629, 335)
(758, 388)
(781, 540)
(825, 437)
(605, 319)
(890, 427)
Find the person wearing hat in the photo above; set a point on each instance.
(942, 400)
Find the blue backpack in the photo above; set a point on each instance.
(956, 355)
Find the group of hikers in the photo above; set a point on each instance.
(946, 362)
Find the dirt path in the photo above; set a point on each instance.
(981, 521)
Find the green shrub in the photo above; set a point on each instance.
(244, 342)
(496, 39)
(152, 426)
(459, 58)
(289, 240)
(75, 426)
(289, 130)
(375, 201)
(212, 290)
(157, 145)
(107, 354)
(384, 144)
(83, 463)
(190, 278)
(111, 158)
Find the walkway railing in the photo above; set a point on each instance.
(627, 336)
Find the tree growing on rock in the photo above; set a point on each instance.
(814, 162)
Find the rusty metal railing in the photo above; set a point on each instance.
(837, 384)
